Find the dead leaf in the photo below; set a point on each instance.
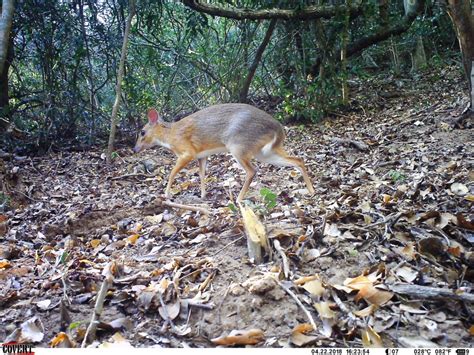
(299, 337)
(464, 223)
(315, 287)
(4, 264)
(331, 230)
(94, 243)
(30, 331)
(324, 310)
(370, 338)
(61, 341)
(431, 245)
(118, 341)
(133, 239)
(327, 317)
(406, 273)
(43, 305)
(171, 310)
(169, 229)
(240, 337)
(459, 189)
(455, 251)
(367, 311)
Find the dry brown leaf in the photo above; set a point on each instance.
(431, 245)
(370, 338)
(374, 295)
(5, 264)
(455, 251)
(324, 310)
(240, 337)
(464, 223)
(302, 280)
(358, 283)
(133, 239)
(94, 243)
(367, 311)
(315, 287)
(61, 341)
(409, 251)
(299, 337)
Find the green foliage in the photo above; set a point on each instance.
(74, 325)
(269, 198)
(66, 55)
(232, 207)
(396, 176)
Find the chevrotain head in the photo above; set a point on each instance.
(151, 133)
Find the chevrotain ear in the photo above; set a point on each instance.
(153, 115)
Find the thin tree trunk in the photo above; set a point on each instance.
(118, 87)
(8, 8)
(90, 79)
(6, 57)
(345, 40)
(462, 17)
(258, 56)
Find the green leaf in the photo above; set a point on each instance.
(232, 207)
(74, 325)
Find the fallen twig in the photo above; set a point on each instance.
(298, 302)
(286, 268)
(356, 144)
(426, 292)
(183, 207)
(228, 244)
(99, 303)
(128, 176)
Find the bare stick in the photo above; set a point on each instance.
(184, 207)
(227, 245)
(356, 144)
(99, 303)
(286, 268)
(128, 176)
(426, 292)
(298, 302)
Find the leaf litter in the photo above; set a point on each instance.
(381, 255)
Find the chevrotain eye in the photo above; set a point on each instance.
(142, 133)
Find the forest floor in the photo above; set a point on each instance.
(380, 255)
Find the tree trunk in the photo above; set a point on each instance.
(462, 17)
(258, 56)
(8, 7)
(345, 40)
(90, 78)
(4, 97)
(118, 87)
(6, 57)
(418, 56)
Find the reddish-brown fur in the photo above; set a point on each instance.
(243, 130)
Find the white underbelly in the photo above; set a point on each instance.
(206, 153)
